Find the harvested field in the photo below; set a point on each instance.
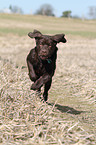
(70, 115)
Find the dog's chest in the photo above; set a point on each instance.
(41, 68)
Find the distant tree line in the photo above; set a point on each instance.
(48, 10)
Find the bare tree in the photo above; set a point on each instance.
(45, 9)
(16, 9)
(92, 12)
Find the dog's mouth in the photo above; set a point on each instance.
(43, 57)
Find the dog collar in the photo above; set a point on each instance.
(49, 61)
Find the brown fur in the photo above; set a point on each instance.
(41, 60)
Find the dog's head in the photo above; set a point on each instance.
(46, 45)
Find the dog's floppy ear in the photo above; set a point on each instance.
(35, 34)
(59, 38)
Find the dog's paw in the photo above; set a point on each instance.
(45, 96)
(33, 87)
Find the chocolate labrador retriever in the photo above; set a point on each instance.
(41, 60)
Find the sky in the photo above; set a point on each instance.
(78, 7)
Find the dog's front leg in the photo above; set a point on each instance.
(32, 73)
(40, 82)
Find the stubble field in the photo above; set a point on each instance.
(70, 116)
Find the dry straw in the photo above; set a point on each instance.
(25, 119)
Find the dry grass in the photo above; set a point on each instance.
(24, 119)
(76, 67)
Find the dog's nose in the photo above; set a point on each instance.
(43, 51)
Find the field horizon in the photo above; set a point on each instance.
(22, 24)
